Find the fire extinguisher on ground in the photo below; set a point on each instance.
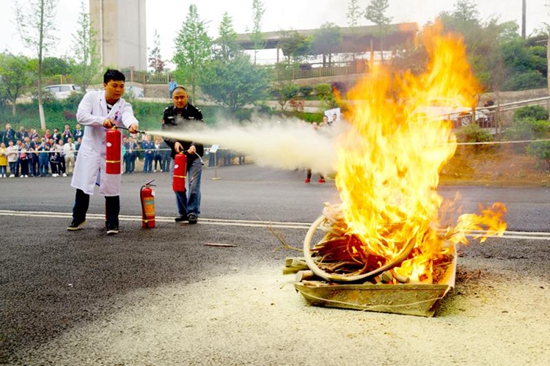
(180, 171)
(147, 197)
(113, 151)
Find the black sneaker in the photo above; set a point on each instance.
(112, 229)
(75, 225)
(192, 218)
(180, 219)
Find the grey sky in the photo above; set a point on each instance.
(166, 16)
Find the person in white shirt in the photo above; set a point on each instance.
(69, 149)
(97, 112)
(12, 151)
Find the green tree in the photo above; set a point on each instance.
(283, 91)
(155, 59)
(326, 41)
(256, 36)
(294, 45)
(86, 62)
(376, 13)
(52, 66)
(464, 19)
(193, 49)
(524, 65)
(466, 11)
(234, 83)
(227, 40)
(325, 93)
(490, 68)
(412, 57)
(354, 14)
(16, 74)
(494, 49)
(546, 32)
(37, 29)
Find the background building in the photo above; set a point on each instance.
(121, 36)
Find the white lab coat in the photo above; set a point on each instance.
(90, 163)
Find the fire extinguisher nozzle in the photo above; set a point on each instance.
(138, 131)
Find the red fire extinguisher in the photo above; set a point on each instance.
(113, 151)
(147, 197)
(180, 170)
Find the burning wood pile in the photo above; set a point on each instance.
(340, 257)
(392, 227)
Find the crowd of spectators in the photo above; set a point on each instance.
(27, 154)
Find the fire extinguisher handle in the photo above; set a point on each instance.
(126, 128)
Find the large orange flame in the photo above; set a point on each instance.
(389, 163)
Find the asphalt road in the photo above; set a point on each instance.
(55, 284)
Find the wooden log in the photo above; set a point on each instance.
(292, 270)
(291, 261)
(305, 275)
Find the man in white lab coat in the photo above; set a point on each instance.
(97, 112)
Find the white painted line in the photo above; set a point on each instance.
(525, 235)
(204, 221)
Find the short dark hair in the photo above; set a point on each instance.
(114, 75)
(179, 87)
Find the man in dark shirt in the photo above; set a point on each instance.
(33, 156)
(130, 156)
(78, 132)
(181, 117)
(44, 157)
(9, 135)
(22, 134)
(56, 136)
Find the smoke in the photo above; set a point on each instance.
(289, 144)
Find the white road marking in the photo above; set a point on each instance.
(223, 222)
(526, 235)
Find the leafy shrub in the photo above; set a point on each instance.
(46, 95)
(52, 106)
(541, 150)
(263, 108)
(309, 117)
(474, 133)
(243, 114)
(73, 101)
(306, 90)
(283, 92)
(535, 112)
(531, 79)
(325, 94)
(69, 115)
(527, 129)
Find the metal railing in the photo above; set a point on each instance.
(289, 72)
(501, 115)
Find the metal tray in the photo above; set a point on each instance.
(408, 299)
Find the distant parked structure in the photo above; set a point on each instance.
(361, 39)
(121, 36)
